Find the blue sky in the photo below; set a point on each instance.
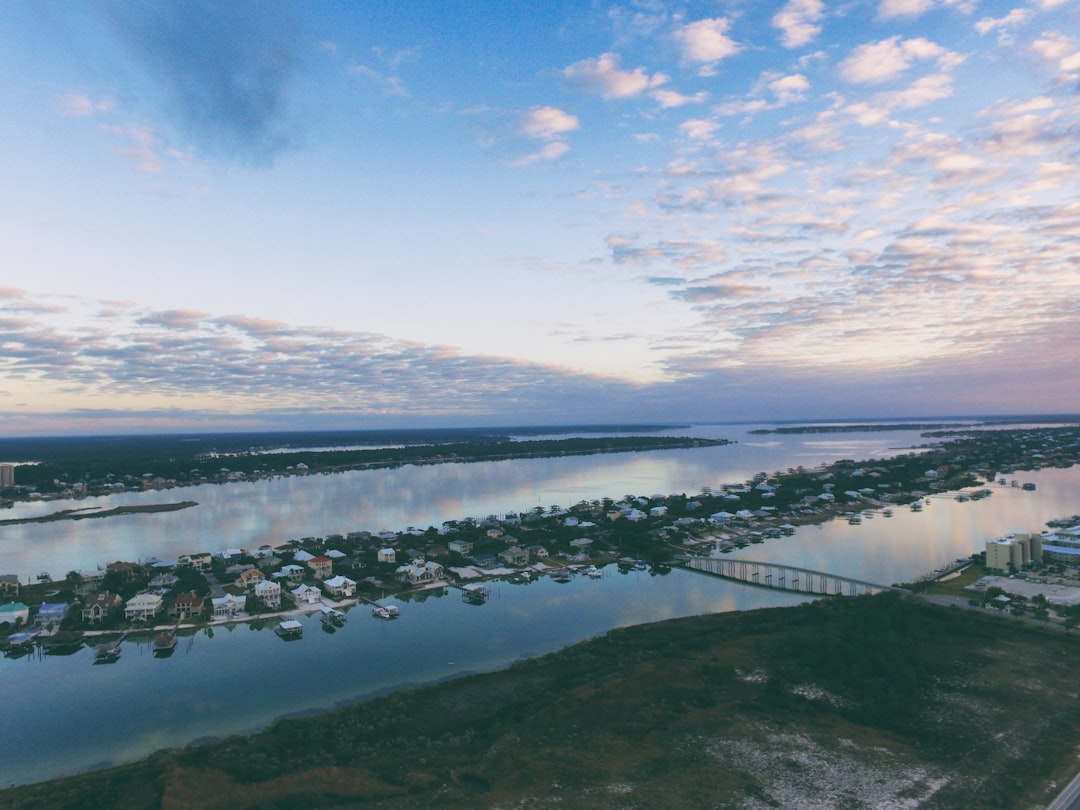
(306, 215)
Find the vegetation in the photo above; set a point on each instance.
(844, 702)
(138, 464)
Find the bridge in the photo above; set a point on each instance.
(782, 577)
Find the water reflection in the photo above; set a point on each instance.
(274, 511)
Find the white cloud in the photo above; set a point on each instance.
(797, 22)
(670, 98)
(878, 62)
(1017, 16)
(790, 88)
(706, 43)
(699, 129)
(547, 122)
(1060, 51)
(903, 8)
(603, 76)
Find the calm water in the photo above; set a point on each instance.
(65, 714)
(247, 515)
(239, 679)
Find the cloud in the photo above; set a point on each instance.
(225, 72)
(79, 105)
(797, 22)
(670, 98)
(890, 9)
(1061, 52)
(1017, 16)
(706, 43)
(547, 123)
(603, 76)
(882, 61)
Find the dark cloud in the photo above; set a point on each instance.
(224, 68)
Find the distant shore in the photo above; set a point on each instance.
(91, 512)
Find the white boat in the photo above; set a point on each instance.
(593, 571)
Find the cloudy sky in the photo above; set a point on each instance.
(380, 214)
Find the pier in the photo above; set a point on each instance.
(782, 577)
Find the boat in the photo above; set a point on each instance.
(887, 513)
(1028, 487)
(289, 629)
(385, 611)
(332, 616)
(593, 572)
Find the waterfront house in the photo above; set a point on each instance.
(51, 613)
(306, 595)
(142, 607)
(387, 555)
(187, 604)
(340, 587)
(229, 606)
(99, 607)
(322, 566)
(537, 552)
(269, 593)
(14, 613)
(582, 545)
(419, 574)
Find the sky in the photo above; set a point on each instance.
(308, 215)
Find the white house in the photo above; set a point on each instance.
(269, 593)
(416, 574)
(228, 606)
(340, 587)
(142, 606)
(306, 595)
(387, 555)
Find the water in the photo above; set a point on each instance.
(66, 714)
(274, 511)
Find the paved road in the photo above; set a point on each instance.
(1069, 798)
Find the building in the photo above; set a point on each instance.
(418, 574)
(269, 593)
(9, 585)
(387, 555)
(1013, 552)
(51, 613)
(7, 475)
(14, 613)
(99, 607)
(142, 607)
(340, 587)
(464, 547)
(229, 606)
(323, 567)
(187, 604)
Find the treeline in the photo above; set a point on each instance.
(198, 465)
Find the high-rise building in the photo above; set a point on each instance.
(7, 475)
